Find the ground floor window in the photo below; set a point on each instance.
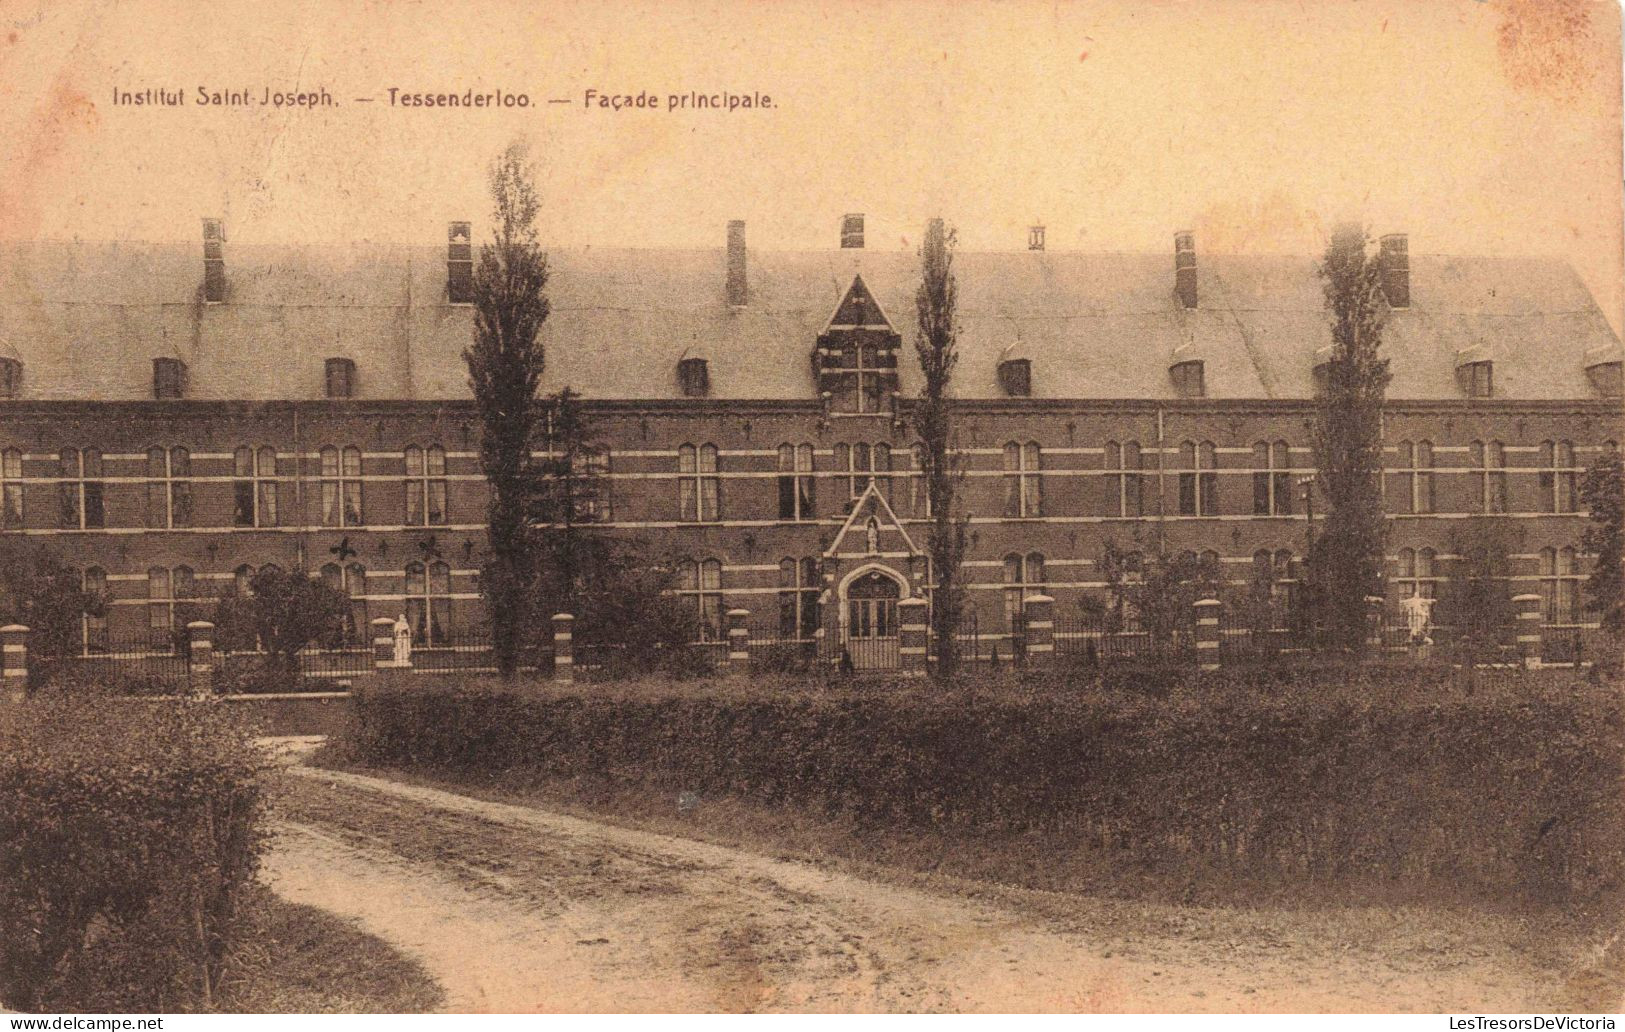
(798, 598)
(428, 602)
(699, 585)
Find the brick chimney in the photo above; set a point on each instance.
(738, 285)
(852, 230)
(214, 261)
(1185, 268)
(1394, 262)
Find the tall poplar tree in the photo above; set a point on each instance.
(936, 346)
(1346, 561)
(504, 369)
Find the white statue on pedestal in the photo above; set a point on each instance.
(1418, 613)
(403, 641)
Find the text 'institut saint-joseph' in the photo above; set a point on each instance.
(173, 417)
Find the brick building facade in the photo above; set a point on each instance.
(174, 418)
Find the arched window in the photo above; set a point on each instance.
(1125, 484)
(254, 487)
(1489, 462)
(425, 486)
(11, 489)
(797, 488)
(864, 464)
(1560, 581)
(699, 585)
(1023, 578)
(798, 598)
(1558, 476)
(1023, 491)
(80, 499)
(167, 590)
(1199, 484)
(699, 488)
(1417, 573)
(169, 488)
(350, 581)
(93, 627)
(1272, 479)
(341, 486)
(428, 601)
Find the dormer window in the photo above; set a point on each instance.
(168, 379)
(693, 377)
(1016, 377)
(1323, 367)
(1188, 378)
(459, 263)
(1607, 379)
(340, 378)
(11, 378)
(852, 230)
(1477, 379)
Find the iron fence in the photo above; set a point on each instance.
(141, 666)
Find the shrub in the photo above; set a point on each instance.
(1508, 791)
(129, 831)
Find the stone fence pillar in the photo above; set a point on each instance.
(14, 662)
(383, 643)
(912, 635)
(200, 656)
(1207, 612)
(1528, 607)
(738, 661)
(1373, 622)
(1038, 616)
(564, 653)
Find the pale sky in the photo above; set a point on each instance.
(1476, 127)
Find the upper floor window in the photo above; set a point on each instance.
(1415, 477)
(79, 492)
(1272, 479)
(11, 489)
(1558, 476)
(1560, 580)
(254, 489)
(1199, 485)
(340, 378)
(798, 598)
(1125, 484)
(428, 601)
(798, 490)
(864, 464)
(169, 488)
(699, 488)
(93, 622)
(1023, 485)
(1489, 462)
(861, 385)
(341, 487)
(11, 378)
(425, 485)
(699, 585)
(1417, 573)
(1023, 578)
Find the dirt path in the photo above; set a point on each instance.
(517, 909)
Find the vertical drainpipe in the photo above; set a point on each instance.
(1162, 494)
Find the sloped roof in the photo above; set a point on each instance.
(88, 318)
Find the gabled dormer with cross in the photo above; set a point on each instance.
(855, 362)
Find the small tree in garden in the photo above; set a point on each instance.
(45, 595)
(1346, 563)
(504, 370)
(936, 346)
(570, 498)
(1603, 492)
(1479, 603)
(283, 612)
(1159, 589)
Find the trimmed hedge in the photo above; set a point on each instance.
(129, 832)
(1514, 789)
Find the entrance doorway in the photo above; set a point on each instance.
(871, 621)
